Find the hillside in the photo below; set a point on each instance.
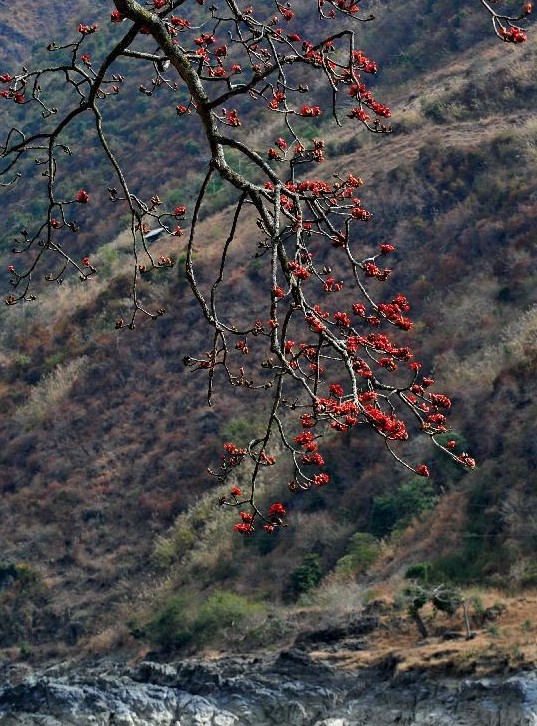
(107, 438)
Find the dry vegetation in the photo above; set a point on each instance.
(505, 643)
(106, 438)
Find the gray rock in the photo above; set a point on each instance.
(291, 689)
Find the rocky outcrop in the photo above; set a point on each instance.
(290, 689)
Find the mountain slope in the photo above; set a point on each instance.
(107, 438)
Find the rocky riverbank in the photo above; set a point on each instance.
(291, 688)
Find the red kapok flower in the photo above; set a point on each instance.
(277, 510)
(243, 528)
(87, 29)
(467, 460)
(82, 197)
(438, 399)
(310, 111)
(386, 249)
(336, 389)
(321, 479)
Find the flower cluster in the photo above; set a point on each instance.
(273, 519)
(512, 34)
(310, 111)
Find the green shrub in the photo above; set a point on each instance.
(223, 617)
(420, 571)
(24, 577)
(398, 509)
(53, 361)
(529, 575)
(172, 627)
(239, 430)
(362, 552)
(169, 550)
(8, 574)
(227, 610)
(22, 360)
(307, 575)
